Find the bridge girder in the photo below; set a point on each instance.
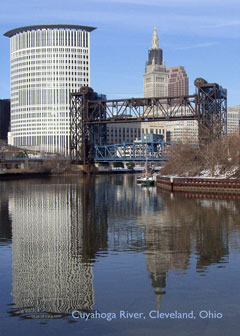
(208, 107)
(135, 151)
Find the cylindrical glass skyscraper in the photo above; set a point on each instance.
(47, 63)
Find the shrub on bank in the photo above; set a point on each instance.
(217, 157)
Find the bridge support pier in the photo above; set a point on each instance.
(88, 169)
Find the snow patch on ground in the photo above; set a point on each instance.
(216, 173)
(208, 174)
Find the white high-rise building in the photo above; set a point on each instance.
(47, 63)
(155, 77)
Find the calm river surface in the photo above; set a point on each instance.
(107, 248)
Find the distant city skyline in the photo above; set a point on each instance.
(201, 36)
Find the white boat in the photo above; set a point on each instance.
(146, 180)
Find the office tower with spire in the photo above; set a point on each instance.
(155, 77)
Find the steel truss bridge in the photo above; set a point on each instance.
(89, 116)
(134, 151)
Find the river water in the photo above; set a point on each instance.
(126, 259)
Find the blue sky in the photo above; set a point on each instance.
(203, 36)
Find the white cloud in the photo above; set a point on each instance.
(200, 45)
(230, 23)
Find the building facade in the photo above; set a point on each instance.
(47, 63)
(233, 120)
(129, 132)
(178, 83)
(4, 118)
(185, 131)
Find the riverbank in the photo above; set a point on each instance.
(99, 172)
(218, 158)
(23, 175)
(197, 184)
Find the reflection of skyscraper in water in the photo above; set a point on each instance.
(167, 248)
(212, 239)
(48, 278)
(208, 223)
(5, 217)
(184, 226)
(163, 253)
(88, 219)
(127, 201)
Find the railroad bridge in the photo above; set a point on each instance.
(89, 117)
